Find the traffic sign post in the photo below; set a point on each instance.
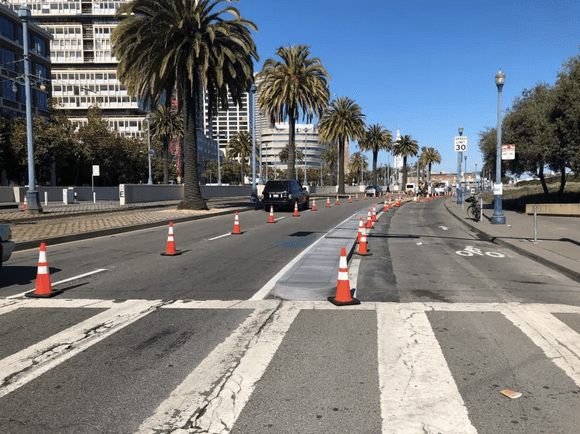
(460, 144)
(508, 152)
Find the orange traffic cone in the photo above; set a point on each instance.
(366, 196)
(343, 294)
(427, 198)
(374, 216)
(385, 207)
(362, 246)
(337, 202)
(43, 285)
(295, 210)
(356, 197)
(170, 248)
(25, 204)
(271, 218)
(327, 202)
(349, 199)
(313, 205)
(237, 230)
(361, 226)
(369, 224)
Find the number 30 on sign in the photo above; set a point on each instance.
(460, 143)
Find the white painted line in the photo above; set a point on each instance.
(221, 236)
(353, 267)
(279, 218)
(558, 341)
(254, 343)
(30, 363)
(70, 279)
(418, 393)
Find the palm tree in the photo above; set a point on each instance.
(377, 138)
(342, 120)
(166, 125)
(240, 147)
(358, 164)
(189, 46)
(428, 157)
(284, 153)
(406, 147)
(330, 156)
(298, 84)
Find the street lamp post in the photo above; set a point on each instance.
(465, 175)
(33, 202)
(148, 117)
(459, 158)
(305, 179)
(475, 179)
(252, 95)
(498, 217)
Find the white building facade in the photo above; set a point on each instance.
(84, 71)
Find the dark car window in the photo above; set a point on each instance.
(276, 186)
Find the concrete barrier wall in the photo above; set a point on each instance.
(54, 194)
(137, 193)
(564, 209)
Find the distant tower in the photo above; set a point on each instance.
(398, 161)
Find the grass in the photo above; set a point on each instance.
(515, 197)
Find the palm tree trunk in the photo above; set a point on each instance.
(165, 159)
(191, 191)
(375, 174)
(292, 147)
(404, 186)
(340, 165)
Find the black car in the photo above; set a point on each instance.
(373, 190)
(284, 193)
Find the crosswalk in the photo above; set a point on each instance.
(418, 391)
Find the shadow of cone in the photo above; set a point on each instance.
(237, 230)
(43, 285)
(170, 248)
(343, 294)
(271, 218)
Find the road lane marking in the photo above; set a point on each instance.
(60, 282)
(418, 392)
(24, 366)
(220, 236)
(211, 395)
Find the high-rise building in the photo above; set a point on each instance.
(84, 71)
(13, 96)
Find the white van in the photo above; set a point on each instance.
(411, 188)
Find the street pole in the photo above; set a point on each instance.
(305, 179)
(459, 160)
(148, 117)
(465, 175)
(254, 191)
(498, 218)
(33, 201)
(475, 179)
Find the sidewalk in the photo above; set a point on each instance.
(558, 238)
(64, 223)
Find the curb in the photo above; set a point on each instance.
(33, 244)
(572, 274)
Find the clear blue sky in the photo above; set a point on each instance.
(425, 66)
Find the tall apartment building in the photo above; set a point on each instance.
(13, 95)
(84, 72)
(270, 138)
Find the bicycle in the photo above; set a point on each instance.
(474, 210)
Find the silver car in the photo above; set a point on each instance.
(6, 243)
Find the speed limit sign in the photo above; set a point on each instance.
(460, 143)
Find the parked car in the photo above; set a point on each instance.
(283, 193)
(442, 188)
(6, 243)
(373, 190)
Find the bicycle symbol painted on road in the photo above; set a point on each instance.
(471, 251)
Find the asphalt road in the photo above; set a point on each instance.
(157, 344)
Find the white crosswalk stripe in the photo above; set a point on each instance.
(418, 392)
